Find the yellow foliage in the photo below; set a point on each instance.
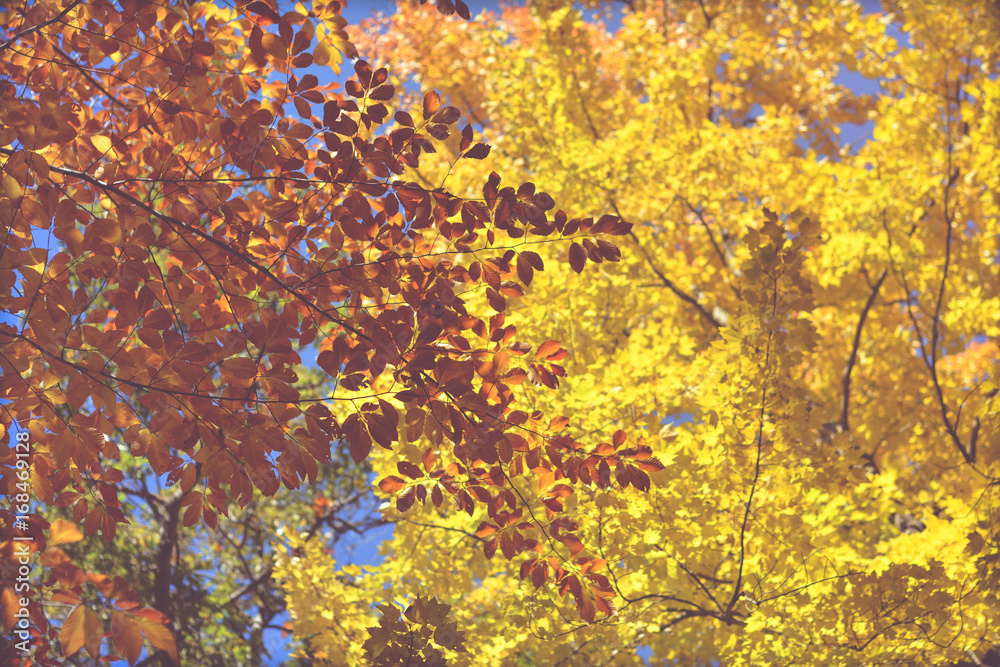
(805, 333)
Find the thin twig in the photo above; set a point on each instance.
(86, 74)
(24, 33)
(669, 284)
(208, 238)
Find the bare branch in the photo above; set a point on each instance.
(845, 401)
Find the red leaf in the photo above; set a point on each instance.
(496, 301)
(489, 548)
(603, 474)
(263, 9)
(382, 93)
(640, 480)
(609, 251)
(539, 574)
(448, 116)
(486, 529)
(409, 469)
(577, 257)
(358, 438)
(621, 474)
(534, 259)
(477, 152)
(405, 500)
(650, 465)
(524, 271)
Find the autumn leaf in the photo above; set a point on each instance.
(154, 627)
(577, 257)
(477, 152)
(391, 484)
(62, 532)
(81, 629)
(126, 637)
(432, 102)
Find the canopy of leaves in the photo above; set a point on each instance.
(221, 284)
(803, 332)
(762, 430)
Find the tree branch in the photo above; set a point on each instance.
(97, 84)
(684, 296)
(24, 33)
(208, 238)
(845, 400)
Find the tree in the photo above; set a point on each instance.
(804, 332)
(190, 220)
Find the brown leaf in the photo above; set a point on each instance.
(405, 500)
(609, 251)
(577, 257)
(496, 301)
(448, 116)
(358, 439)
(524, 270)
(547, 349)
(477, 152)
(382, 93)
(432, 102)
(154, 626)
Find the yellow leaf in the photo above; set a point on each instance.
(101, 143)
(63, 532)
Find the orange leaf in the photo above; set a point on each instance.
(558, 424)
(81, 629)
(153, 626)
(391, 484)
(126, 637)
(547, 349)
(432, 102)
(63, 532)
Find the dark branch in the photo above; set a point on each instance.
(669, 284)
(24, 33)
(845, 401)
